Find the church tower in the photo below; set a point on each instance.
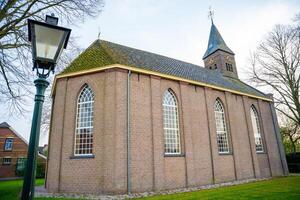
(218, 55)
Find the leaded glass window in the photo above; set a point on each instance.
(84, 122)
(256, 129)
(222, 135)
(171, 123)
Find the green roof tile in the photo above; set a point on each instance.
(94, 56)
(102, 53)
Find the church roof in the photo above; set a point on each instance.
(102, 53)
(216, 42)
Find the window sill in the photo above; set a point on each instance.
(174, 155)
(226, 154)
(82, 157)
(6, 164)
(262, 152)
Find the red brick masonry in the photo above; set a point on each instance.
(200, 162)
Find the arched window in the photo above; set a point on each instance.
(222, 135)
(84, 122)
(256, 129)
(171, 123)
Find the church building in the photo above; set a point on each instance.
(126, 120)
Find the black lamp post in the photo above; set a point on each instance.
(47, 40)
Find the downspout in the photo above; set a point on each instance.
(128, 135)
(278, 138)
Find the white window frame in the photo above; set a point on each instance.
(259, 146)
(221, 128)
(84, 125)
(172, 142)
(4, 161)
(8, 146)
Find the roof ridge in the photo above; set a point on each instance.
(156, 54)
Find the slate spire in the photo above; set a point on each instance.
(216, 42)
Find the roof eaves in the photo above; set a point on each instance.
(168, 76)
(213, 51)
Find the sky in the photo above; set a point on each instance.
(178, 29)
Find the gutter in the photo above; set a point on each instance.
(128, 135)
(148, 72)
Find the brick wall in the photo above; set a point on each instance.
(200, 162)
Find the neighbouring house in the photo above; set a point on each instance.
(126, 120)
(43, 150)
(13, 153)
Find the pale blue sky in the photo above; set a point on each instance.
(179, 29)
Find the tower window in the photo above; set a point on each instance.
(215, 66)
(229, 67)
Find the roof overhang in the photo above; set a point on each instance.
(148, 72)
(205, 56)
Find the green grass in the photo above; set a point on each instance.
(11, 189)
(287, 188)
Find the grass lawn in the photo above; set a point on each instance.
(287, 188)
(11, 189)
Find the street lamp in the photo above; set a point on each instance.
(47, 42)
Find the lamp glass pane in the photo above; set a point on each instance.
(47, 41)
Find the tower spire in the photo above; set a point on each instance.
(218, 55)
(216, 42)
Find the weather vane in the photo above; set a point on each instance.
(99, 33)
(211, 14)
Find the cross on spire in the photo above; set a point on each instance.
(99, 33)
(211, 14)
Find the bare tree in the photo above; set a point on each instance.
(15, 54)
(290, 132)
(276, 65)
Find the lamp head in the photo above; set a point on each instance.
(47, 41)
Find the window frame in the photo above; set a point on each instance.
(258, 132)
(6, 142)
(229, 67)
(83, 155)
(6, 163)
(225, 126)
(177, 137)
